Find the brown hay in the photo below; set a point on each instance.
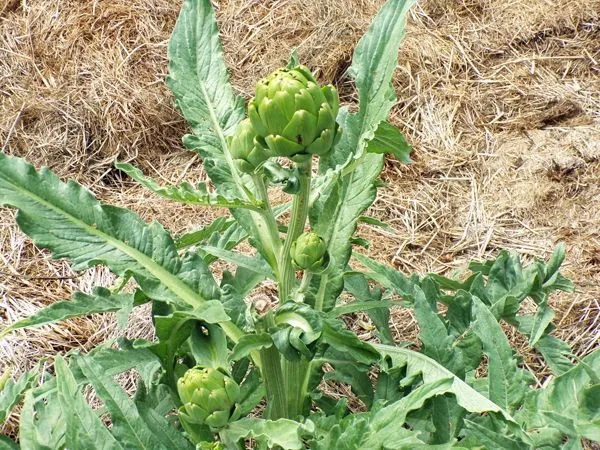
(500, 100)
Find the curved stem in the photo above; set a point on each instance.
(296, 227)
(268, 223)
(306, 277)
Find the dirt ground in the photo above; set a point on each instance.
(501, 101)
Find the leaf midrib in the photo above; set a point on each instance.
(173, 283)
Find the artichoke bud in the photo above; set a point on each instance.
(309, 252)
(208, 395)
(246, 149)
(291, 112)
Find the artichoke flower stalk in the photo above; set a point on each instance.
(296, 118)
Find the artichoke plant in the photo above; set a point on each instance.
(294, 115)
(309, 252)
(247, 152)
(208, 395)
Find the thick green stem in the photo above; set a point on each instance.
(273, 378)
(296, 227)
(295, 372)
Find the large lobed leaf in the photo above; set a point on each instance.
(570, 403)
(431, 371)
(335, 213)
(200, 83)
(84, 428)
(198, 77)
(507, 383)
(66, 219)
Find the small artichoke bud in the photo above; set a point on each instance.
(247, 152)
(208, 395)
(294, 115)
(309, 252)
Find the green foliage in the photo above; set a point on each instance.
(388, 139)
(217, 361)
(186, 193)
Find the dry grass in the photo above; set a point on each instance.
(501, 101)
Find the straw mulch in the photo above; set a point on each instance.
(501, 101)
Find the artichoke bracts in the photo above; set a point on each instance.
(309, 252)
(209, 397)
(247, 152)
(293, 115)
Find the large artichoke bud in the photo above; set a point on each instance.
(208, 395)
(309, 252)
(293, 114)
(246, 150)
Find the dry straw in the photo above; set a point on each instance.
(501, 101)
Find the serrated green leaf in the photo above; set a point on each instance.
(389, 139)
(557, 354)
(14, 391)
(507, 383)
(542, 319)
(198, 77)
(492, 439)
(569, 403)
(380, 428)
(335, 213)
(84, 428)
(433, 334)
(357, 285)
(68, 220)
(153, 405)
(346, 342)
(200, 83)
(418, 364)
(113, 362)
(127, 425)
(384, 423)
(284, 433)
(373, 64)
(42, 425)
(186, 193)
(253, 263)
(387, 276)
(27, 434)
(217, 226)
(100, 301)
